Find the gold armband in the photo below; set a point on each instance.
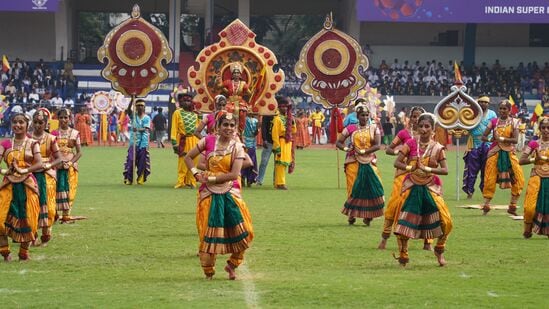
(408, 168)
(212, 179)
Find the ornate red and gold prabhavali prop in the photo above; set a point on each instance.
(329, 62)
(134, 51)
(236, 50)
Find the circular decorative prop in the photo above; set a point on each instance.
(238, 51)
(458, 110)
(101, 102)
(329, 62)
(135, 52)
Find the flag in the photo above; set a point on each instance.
(5, 64)
(457, 74)
(538, 110)
(514, 108)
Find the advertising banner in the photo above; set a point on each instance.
(28, 5)
(454, 11)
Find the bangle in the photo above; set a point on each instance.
(408, 168)
(212, 179)
(194, 170)
(47, 166)
(532, 160)
(25, 171)
(501, 139)
(428, 169)
(396, 151)
(345, 148)
(4, 171)
(544, 158)
(70, 163)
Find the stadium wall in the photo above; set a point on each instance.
(28, 36)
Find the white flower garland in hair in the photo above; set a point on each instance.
(360, 107)
(432, 116)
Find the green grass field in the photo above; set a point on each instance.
(137, 249)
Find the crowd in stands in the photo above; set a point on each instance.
(40, 83)
(433, 78)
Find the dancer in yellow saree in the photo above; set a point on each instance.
(19, 204)
(223, 221)
(422, 213)
(536, 202)
(502, 166)
(46, 176)
(364, 189)
(68, 140)
(393, 149)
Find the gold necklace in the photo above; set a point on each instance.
(39, 138)
(20, 149)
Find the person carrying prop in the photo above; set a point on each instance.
(502, 165)
(364, 189)
(184, 123)
(68, 140)
(475, 157)
(46, 176)
(393, 149)
(536, 201)
(139, 135)
(283, 128)
(422, 214)
(223, 220)
(19, 201)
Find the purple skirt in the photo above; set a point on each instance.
(143, 163)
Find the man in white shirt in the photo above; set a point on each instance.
(68, 103)
(34, 96)
(57, 101)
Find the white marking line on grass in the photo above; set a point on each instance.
(250, 295)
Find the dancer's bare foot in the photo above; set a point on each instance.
(230, 270)
(440, 258)
(382, 244)
(401, 260)
(427, 247)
